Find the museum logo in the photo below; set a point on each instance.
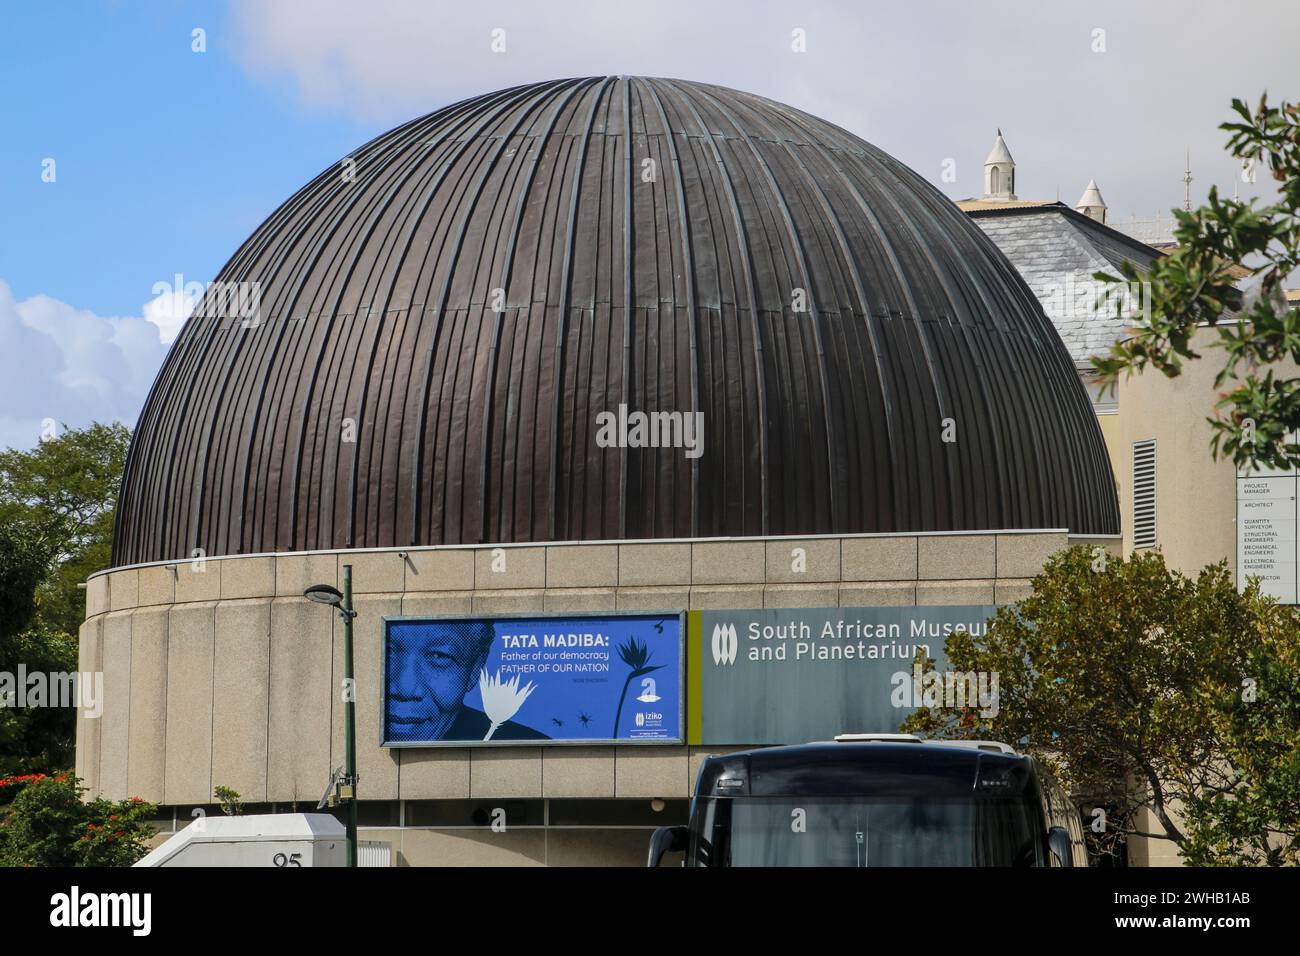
(725, 644)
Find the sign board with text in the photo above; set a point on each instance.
(611, 678)
(1267, 532)
(792, 675)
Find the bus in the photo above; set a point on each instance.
(877, 800)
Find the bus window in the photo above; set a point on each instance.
(852, 831)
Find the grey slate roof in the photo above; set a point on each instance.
(1056, 251)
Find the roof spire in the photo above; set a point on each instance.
(1091, 204)
(999, 172)
(1187, 182)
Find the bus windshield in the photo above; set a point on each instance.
(864, 831)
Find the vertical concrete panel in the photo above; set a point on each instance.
(441, 570)
(436, 604)
(440, 773)
(296, 572)
(505, 772)
(124, 589)
(89, 662)
(240, 696)
(509, 568)
(190, 644)
(97, 595)
(376, 765)
(599, 847)
(198, 581)
(147, 749)
(301, 688)
(116, 722)
(382, 572)
(728, 562)
(477, 847)
(578, 772)
(247, 578)
(652, 772)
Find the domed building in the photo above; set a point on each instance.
(594, 345)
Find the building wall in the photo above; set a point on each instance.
(224, 674)
(1196, 496)
(1112, 433)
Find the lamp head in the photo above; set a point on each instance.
(324, 594)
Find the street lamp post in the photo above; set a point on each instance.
(327, 594)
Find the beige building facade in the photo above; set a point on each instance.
(222, 674)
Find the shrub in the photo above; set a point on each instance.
(46, 823)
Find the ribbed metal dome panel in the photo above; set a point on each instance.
(648, 238)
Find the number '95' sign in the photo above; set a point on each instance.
(512, 680)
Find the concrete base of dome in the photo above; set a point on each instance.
(223, 674)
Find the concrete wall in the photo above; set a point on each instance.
(1196, 496)
(222, 674)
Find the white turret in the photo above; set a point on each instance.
(999, 173)
(1091, 204)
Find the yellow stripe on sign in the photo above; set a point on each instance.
(694, 678)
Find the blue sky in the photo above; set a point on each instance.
(167, 159)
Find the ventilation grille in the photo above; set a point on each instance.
(1144, 494)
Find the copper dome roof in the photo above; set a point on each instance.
(444, 314)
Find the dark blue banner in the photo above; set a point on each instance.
(511, 680)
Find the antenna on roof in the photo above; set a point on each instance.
(1187, 183)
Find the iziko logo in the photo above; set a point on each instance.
(725, 644)
(949, 689)
(56, 689)
(626, 429)
(103, 909)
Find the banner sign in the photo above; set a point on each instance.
(614, 678)
(794, 675)
(1268, 532)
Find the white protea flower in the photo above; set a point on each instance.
(501, 699)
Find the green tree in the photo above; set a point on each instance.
(1144, 688)
(64, 491)
(47, 823)
(57, 504)
(1196, 285)
(232, 804)
(30, 738)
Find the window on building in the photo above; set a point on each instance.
(993, 181)
(1144, 494)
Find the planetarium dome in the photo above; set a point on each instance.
(443, 317)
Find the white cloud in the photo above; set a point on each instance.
(926, 81)
(169, 312)
(71, 366)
